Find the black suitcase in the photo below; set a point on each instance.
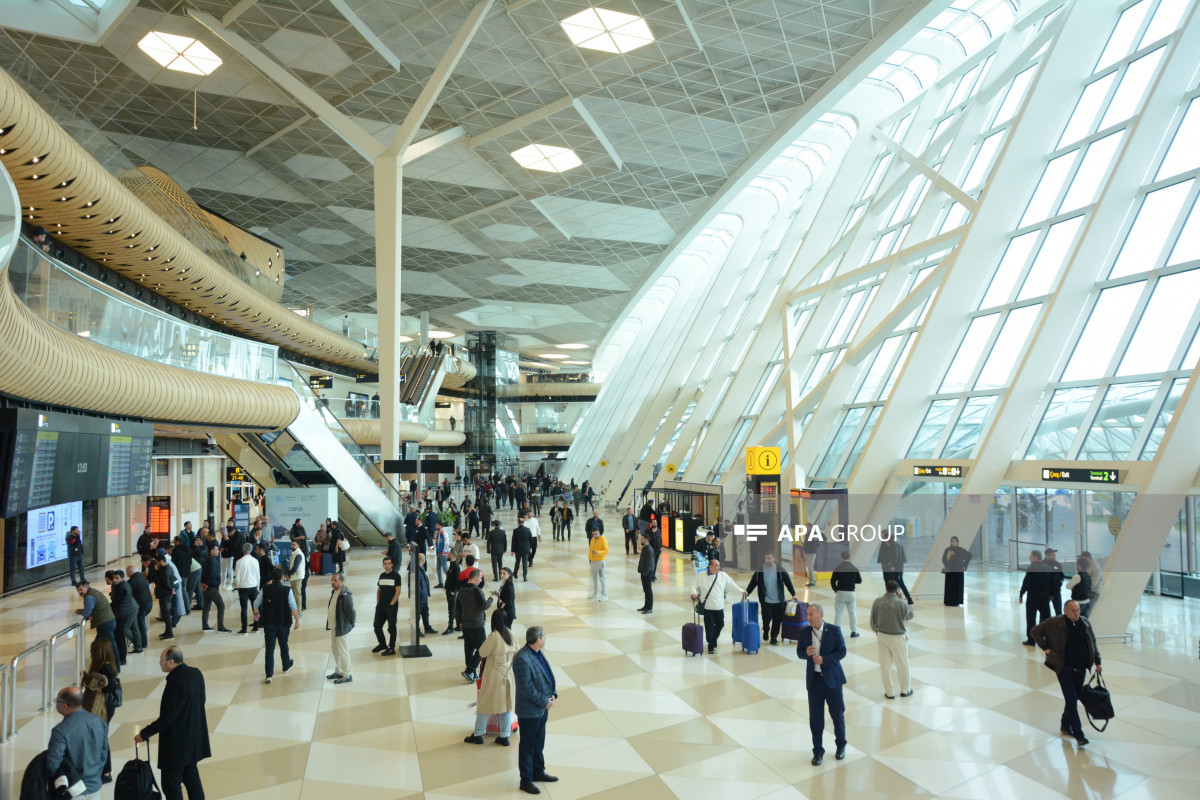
(136, 779)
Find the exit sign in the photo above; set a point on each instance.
(1077, 475)
(950, 471)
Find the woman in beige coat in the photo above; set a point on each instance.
(497, 691)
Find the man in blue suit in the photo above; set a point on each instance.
(823, 647)
(536, 693)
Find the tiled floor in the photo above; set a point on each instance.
(638, 719)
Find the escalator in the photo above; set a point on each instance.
(315, 450)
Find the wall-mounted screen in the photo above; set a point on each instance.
(46, 532)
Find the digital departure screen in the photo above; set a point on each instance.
(46, 532)
(158, 516)
(58, 458)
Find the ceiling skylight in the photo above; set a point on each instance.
(608, 31)
(546, 158)
(181, 53)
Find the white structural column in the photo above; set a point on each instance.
(1134, 556)
(389, 194)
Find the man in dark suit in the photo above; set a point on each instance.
(536, 693)
(823, 647)
(183, 728)
(1037, 584)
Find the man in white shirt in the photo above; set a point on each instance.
(710, 590)
(245, 579)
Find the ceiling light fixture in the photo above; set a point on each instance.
(571, 346)
(441, 335)
(546, 158)
(180, 53)
(551, 355)
(406, 338)
(583, 363)
(608, 31)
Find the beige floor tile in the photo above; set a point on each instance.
(833, 780)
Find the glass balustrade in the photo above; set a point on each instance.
(77, 304)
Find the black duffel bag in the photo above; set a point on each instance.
(1097, 702)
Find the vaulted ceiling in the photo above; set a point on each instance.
(487, 243)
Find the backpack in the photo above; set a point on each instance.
(136, 779)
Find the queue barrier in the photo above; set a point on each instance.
(9, 675)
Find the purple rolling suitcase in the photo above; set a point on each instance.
(693, 638)
(751, 637)
(793, 625)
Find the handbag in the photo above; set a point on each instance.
(343, 545)
(700, 605)
(1097, 701)
(115, 695)
(789, 608)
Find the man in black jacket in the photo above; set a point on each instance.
(145, 602)
(771, 581)
(183, 727)
(472, 608)
(1036, 584)
(274, 611)
(1070, 647)
(1056, 579)
(210, 585)
(497, 546)
(845, 577)
(891, 559)
(646, 572)
(393, 550)
(126, 610)
(522, 544)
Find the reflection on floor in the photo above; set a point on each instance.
(638, 719)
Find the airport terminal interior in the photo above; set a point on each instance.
(764, 268)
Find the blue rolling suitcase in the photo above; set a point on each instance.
(743, 613)
(693, 637)
(327, 564)
(751, 637)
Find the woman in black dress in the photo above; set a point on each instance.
(954, 562)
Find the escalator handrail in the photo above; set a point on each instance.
(343, 436)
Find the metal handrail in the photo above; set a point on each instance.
(80, 655)
(12, 685)
(3, 702)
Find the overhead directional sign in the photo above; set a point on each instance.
(951, 471)
(1077, 475)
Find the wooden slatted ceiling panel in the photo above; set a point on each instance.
(44, 363)
(65, 190)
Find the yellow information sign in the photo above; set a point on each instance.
(762, 460)
(670, 469)
(603, 463)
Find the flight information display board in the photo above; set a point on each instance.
(55, 458)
